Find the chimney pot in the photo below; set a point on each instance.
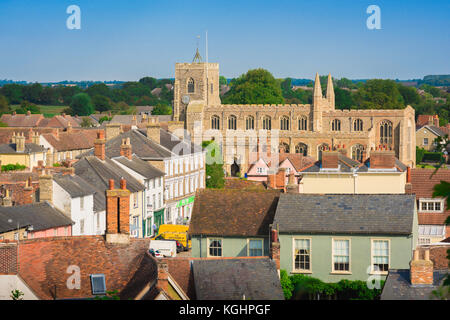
(123, 184)
(111, 184)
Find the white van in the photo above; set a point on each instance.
(168, 248)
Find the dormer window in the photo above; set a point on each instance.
(431, 205)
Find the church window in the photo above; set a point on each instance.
(302, 123)
(215, 123)
(284, 123)
(232, 123)
(336, 125)
(357, 152)
(302, 149)
(250, 123)
(267, 123)
(191, 85)
(358, 125)
(386, 132)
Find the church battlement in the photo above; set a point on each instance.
(256, 106)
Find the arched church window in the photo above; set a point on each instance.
(267, 123)
(284, 147)
(232, 122)
(215, 123)
(250, 123)
(358, 152)
(302, 123)
(336, 125)
(320, 149)
(386, 132)
(358, 125)
(191, 86)
(302, 149)
(284, 123)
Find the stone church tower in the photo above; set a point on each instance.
(196, 81)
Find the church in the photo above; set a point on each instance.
(307, 129)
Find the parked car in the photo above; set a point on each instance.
(156, 253)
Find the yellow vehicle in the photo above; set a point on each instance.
(174, 232)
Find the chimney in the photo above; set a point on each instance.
(13, 138)
(382, 159)
(421, 272)
(163, 275)
(14, 113)
(292, 186)
(153, 129)
(20, 142)
(275, 248)
(125, 148)
(118, 213)
(342, 150)
(271, 180)
(35, 138)
(7, 202)
(49, 158)
(28, 113)
(69, 127)
(112, 130)
(330, 159)
(177, 128)
(408, 184)
(99, 145)
(46, 187)
(28, 192)
(281, 179)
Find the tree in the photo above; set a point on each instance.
(223, 80)
(86, 123)
(149, 82)
(257, 86)
(379, 94)
(343, 98)
(82, 105)
(4, 106)
(101, 103)
(162, 109)
(409, 94)
(214, 169)
(98, 89)
(26, 106)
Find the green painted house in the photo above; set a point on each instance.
(232, 223)
(345, 236)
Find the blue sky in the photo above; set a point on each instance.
(126, 40)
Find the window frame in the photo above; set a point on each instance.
(427, 200)
(97, 275)
(303, 123)
(333, 271)
(372, 240)
(209, 240)
(308, 271)
(248, 246)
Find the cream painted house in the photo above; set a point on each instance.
(28, 154)
(380, 174)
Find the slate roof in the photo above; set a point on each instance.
(177, 146)
(141, 146)
(231, 279)
(140, 166)
(41, 215)
(10, 148)
(398, 286)
(74, 185)
(345, 213)
(224, 212)
(436, 130)
(98, 173)
(347, 164)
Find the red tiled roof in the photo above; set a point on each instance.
(22, 120)
(46, 264)
(76, 140)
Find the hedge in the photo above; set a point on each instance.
(13, 167)
(432, 157)
(302, 287)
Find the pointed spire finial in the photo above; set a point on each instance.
(197, 57)
(317, 86)
(330, 91)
